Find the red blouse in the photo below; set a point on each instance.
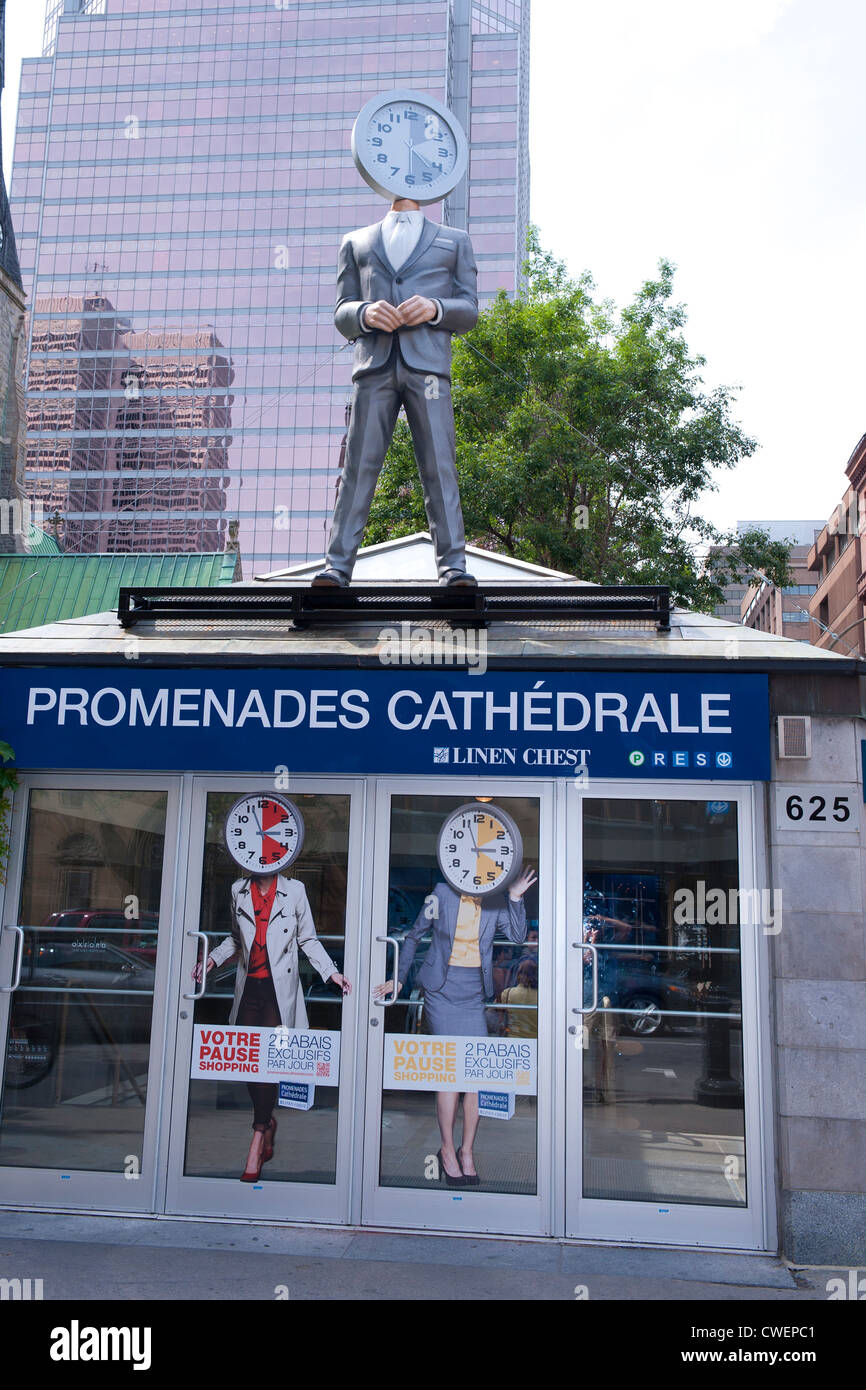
(263, 900)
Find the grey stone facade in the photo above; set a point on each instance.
(819, 983)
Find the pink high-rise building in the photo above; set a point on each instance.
(188, 168)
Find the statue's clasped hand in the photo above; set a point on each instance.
(416, 310)
(387, 318)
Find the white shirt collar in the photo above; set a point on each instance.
(414, 216)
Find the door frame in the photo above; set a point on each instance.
(444, 1210)
(670, 1223)
(71, 1188)
(327, 1203)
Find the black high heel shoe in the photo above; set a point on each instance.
(451, 1182)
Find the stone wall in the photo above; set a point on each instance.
(819, 968)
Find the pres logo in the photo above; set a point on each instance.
(679, 759)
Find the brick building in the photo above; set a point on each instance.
(837, 560)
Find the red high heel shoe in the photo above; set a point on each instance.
(268, 1146)
(253, 1174)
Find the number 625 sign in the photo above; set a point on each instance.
(810, 807)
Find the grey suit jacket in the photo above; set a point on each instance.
(499, 913)
(442, 267)
(290, 925)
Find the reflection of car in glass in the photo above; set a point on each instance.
(54, 1006)
(76, 964)
(655, 983)
(652, 987)
(139, 933)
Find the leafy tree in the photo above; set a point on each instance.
(8, 780)
(585, 438)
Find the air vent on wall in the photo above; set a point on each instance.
(795, 735)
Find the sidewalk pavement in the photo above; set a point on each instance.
(82, 1257)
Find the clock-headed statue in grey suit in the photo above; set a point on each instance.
(404, 286)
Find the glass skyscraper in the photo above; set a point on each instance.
(181, 183)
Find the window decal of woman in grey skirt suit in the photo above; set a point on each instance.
(457, 976)
(271, 918)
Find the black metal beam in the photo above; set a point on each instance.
(306, 606)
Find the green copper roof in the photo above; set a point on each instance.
(39, 542)
(39, 589)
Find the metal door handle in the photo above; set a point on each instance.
(200, 995)
(16, 973)
(587, 946)
(383, 1003)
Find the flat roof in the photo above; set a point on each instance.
(696, 641)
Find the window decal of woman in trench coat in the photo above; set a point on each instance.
(271, 918)
(456, 976)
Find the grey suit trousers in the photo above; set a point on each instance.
(376, 400)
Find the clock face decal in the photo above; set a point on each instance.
(480, 849)
(409, 146)
(264, 832)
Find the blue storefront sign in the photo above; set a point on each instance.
(296, 1095)
(496, 1105)
(504, 723)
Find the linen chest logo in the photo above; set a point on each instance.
(487, 756)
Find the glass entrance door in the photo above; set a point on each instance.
(82, 951)
(264, 1036)
(458, 1118)
(663, 1123)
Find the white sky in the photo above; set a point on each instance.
(727, 136)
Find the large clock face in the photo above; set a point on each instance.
(480, 850)
(264, 833)
(408, 146)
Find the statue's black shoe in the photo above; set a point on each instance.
(330, 579)
(458, 579)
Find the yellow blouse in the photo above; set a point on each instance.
(465, 951)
